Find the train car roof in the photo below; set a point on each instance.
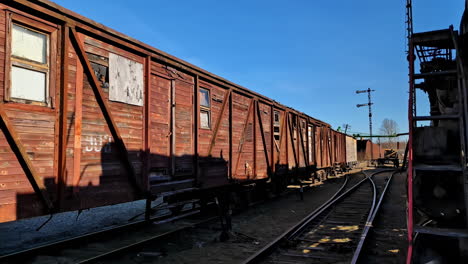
(65, 15)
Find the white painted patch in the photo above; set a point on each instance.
(98, 143)
(125, 80)
(28, 84)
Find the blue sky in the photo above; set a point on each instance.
(309, 55)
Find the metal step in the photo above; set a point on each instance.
(447, 232)
(171, 186)
(431, 167)
(179, 191)
(435, 74)
(436, 117)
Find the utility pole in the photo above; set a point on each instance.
(369, 104)
(346, 127)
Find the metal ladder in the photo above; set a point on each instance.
(429, 46)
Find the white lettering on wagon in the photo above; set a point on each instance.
(98, 144)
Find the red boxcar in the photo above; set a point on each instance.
(91, 117)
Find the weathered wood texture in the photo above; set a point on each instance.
(87, 150)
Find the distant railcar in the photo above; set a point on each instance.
(367, 150)
(351, 152)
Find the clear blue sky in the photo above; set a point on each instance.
(309, 55)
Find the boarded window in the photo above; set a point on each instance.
(205, 108)
(276, 117)
(276, 126)
(205, 119)
(125, 80)
(205, 97)
(29, 64)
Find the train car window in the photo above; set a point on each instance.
(205, 98)
(205, 109)
(205, 119)
(276, 117)
(100, 66)
(29, 64)
(294, 129)
(276, 126)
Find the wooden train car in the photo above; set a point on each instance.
(91, 117)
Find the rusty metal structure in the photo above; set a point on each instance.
(91, 117)
(437, 171)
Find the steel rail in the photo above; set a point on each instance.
(373, 212)
(143, 242)
(76, 239)
(295, 230)
(272, 245)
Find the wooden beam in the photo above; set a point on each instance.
(285, 128)
(272, 139)
(218, 122)
(23, 159)
(173, 128)
(196, 117)
(78, 126)
(230, 135)
(262, 132)
(254, 132)
(302, 144)
(291, 133)
(99, 94)
(241, 143)
(147, 125)
(63, 94)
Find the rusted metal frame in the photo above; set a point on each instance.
(218, 122)
(196, 127)
(105, 109)
(230, 135)
(462, 104)
(23, 159)
(254, 132)
(262, 132)
(292, 142)
(173, 128)
(63, 95)
(241, 143)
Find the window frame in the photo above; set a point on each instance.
(50, 68)
(204, 108)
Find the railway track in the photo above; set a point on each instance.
(107, 244)
(336, 231)
(92, 247)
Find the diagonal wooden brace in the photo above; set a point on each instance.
(23, 159)
(218, 122)
(105, 110)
